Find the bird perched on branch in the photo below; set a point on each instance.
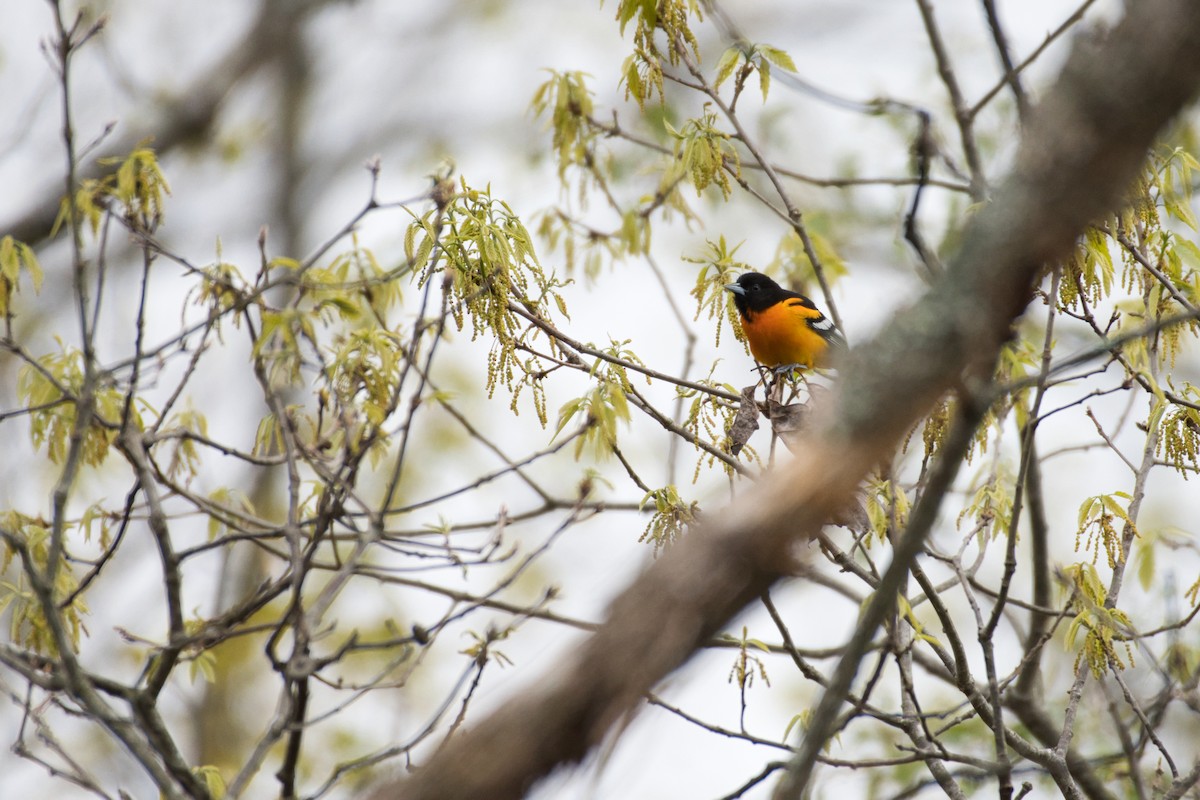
(783, 328)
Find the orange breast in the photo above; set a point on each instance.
(781, 335)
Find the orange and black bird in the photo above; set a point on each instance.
(783, 328)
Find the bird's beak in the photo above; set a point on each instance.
(733, 287)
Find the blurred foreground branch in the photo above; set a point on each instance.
(1083, 146)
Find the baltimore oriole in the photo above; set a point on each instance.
(782, 327)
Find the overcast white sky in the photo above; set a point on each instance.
(419, 81)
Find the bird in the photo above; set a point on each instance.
(784, 329)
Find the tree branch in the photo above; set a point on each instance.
(1083, 146)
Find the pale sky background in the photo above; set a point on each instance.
(419, 81)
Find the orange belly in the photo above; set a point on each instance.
(781, 335)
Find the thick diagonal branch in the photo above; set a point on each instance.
(1082, 147)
